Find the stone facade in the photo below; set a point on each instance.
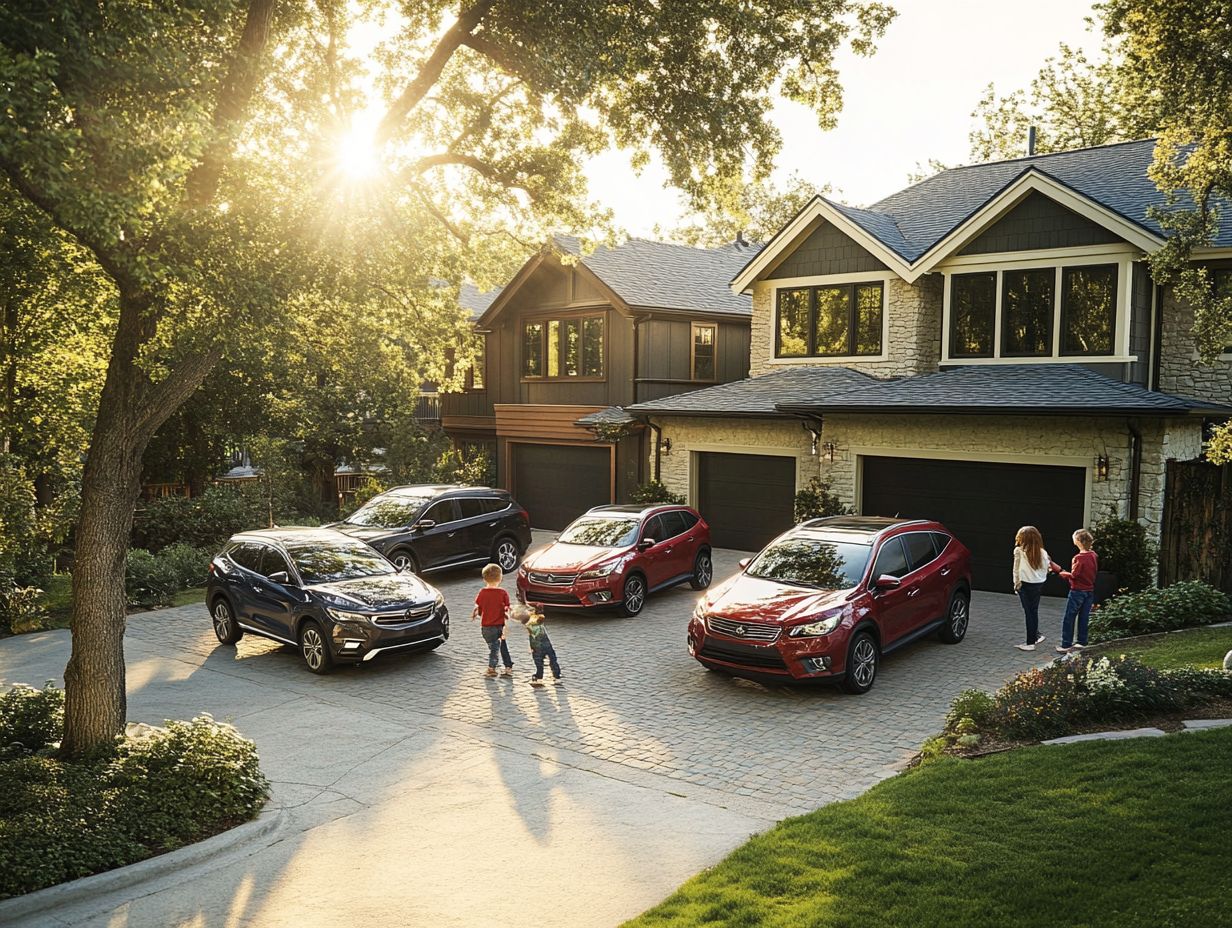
(1179, 369)
(914, 339)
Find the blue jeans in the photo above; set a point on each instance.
(539, 654)
(1078, 604)
(1029, 596)
(496, 645)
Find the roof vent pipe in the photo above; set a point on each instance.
(1031, 142)
(740, 238)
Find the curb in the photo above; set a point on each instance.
(1171, 631)
(150, 868)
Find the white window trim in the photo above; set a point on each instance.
(1122, 257)
(795, 283)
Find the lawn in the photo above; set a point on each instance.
(1097, 834)
(1194, 647)
(59, 600)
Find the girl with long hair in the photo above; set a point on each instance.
(1030, 571)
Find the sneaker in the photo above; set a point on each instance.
(536, 681)
(507, 672)
(1025, 647)
(1061, 650)
(1039, 639)
(490, 672)
(557, 681)
(1079, 647)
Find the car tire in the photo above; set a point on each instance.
(506, 554)
(226, 629)
(957, 618)
(633, 595)
(703, 571)
(863, 660)
(314, 647)
(404, 560)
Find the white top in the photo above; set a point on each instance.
(1024, 572)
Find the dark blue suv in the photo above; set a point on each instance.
(422, 528)
(332, 597)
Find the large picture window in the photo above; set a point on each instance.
(1026, 312)
(973, 315)
(842, 320)
(563, 349)
(1088, 309)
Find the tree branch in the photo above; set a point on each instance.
(440, 217)
(431, 70)
(497, 56)
(161, 399)
(448, 157)
(234, 95)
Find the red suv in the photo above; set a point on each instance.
(825, 600)
(616, 556)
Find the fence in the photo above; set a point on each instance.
(1196, 539)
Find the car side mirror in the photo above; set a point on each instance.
(745, 562)
(424, 524)
(646, 544)
(887, 582)
(280, 576)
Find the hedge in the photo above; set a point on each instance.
(1190, 602)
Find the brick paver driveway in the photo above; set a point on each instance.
(672, 765)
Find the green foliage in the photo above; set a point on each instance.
(971, 705)
(755, 209)
(22, 608)
(476, 469)
(1125, 550)
(652, 491)
(189, 565)
(32, 718)
(1219, 448)
(25, 559)
(816, 501)
(154, 579)
(153, 793)
(204, 521)
(1189, 602)
(1203, 648)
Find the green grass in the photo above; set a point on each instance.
(59, 599)
(1193, 647)
(188, 597)
(1116, 834)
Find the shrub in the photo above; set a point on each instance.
(975, 705)
(32, 718)
(652, 491)
(190, 566)
(1190, 602)
(816, 501)
(22, 608)
(204, 521)
(25, 535)
(1124, 550)
(149, 580)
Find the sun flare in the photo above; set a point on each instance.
(357, 154)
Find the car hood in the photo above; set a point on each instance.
(559, 556)
(383, 592)
(746, 598)
(362, 532)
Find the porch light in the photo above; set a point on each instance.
(665, 445)
(827, 452)
(1101, 467)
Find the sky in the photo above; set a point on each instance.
(910, 102)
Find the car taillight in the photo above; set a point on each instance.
(525, 517)
(213, 569)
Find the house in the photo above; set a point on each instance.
(986, 347)
(575, 337)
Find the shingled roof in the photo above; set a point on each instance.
(760, 396)
(1024, 389)
(475, 301)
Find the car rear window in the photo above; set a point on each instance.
(920, 550)
(247, 556)
(891, 560)
(690, 520)
(941, 540)
(495, 504)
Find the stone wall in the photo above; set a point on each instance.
(1179, 370)
(914, 347)
(750, 436)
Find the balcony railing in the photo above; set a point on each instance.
(428, 409)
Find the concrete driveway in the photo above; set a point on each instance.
(417, 792)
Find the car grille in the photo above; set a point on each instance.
(414, 614)
(551, 578)
(746, 655)
(557, 599)
(746, 631)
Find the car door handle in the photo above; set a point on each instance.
(945, 571)
(914, 591)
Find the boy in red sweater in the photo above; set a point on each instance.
(1081, 577)
(492, 608)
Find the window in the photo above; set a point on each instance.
(247, 556)
(703, 351)
(1221, 277)
(942, 541)
(973, 307)
(272, 562)
(654, 529)
(495, 504)
(471, 507)
(440, 513)
(920, 550)
(832, 321)
(690, 520)
(1088, 309)
(1026, 312)
(475, 374)
(560, 349)
(673, 524)
(890, 560)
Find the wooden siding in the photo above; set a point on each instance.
(469, 424)
(526, 421)
(664, 356)
(1038, 222)
(467, 405)
(826, 251)
(1140, 332)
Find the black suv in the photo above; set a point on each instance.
(422, 528)
(331, 596)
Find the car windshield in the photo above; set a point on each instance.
(322, 564)
(601, 532)
(388, 511)
(821, 563)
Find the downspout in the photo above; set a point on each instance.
(1157, 338)
(1135, 468)
(656, 437)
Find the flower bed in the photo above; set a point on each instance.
(1188, 603)
(157, 790)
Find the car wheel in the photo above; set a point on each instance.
(314, 647)
(957, 619)
(703, 571)
(226, 629)
(506, 554)
(634, 596)
(862, 661)
(404, 560)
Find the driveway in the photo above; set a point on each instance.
(418, 792)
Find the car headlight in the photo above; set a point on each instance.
(822, 626)
(598, 573)
(342, 615)
(699, 611)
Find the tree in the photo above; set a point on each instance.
(211, 159)
(753, 209)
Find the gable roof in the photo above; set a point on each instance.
(475, 301)
(1110, 181)
(760, 396)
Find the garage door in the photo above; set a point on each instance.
(984, 505)
(557, 483)
(746, 498)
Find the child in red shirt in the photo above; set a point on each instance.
(492, 607)
(1081, 577)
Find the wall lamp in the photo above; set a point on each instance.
(665, 445)
(1101, 467)
(827, 452)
